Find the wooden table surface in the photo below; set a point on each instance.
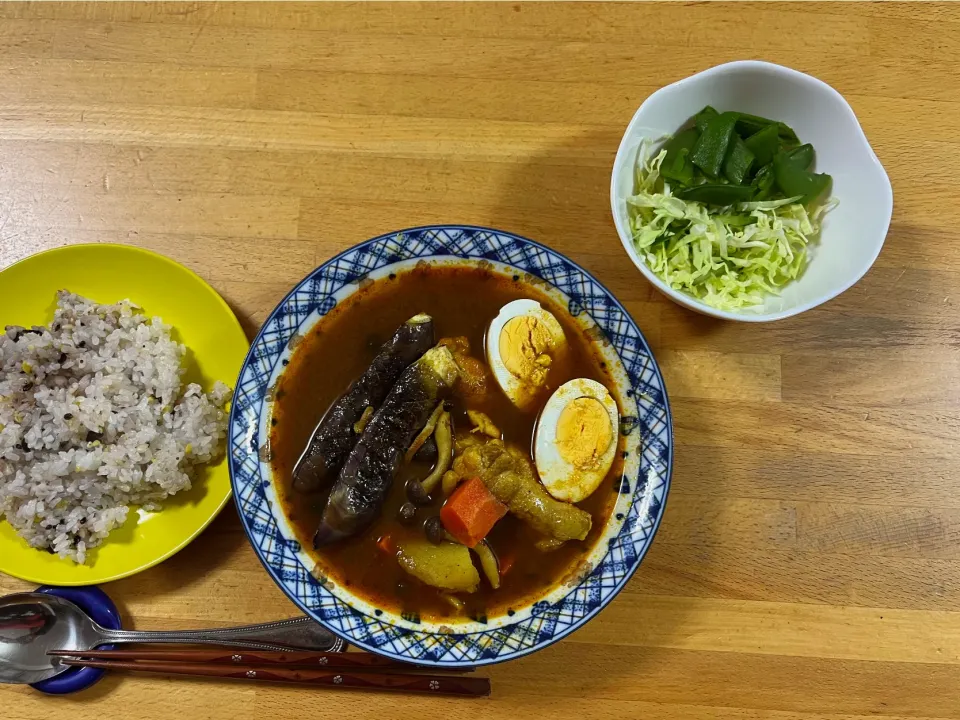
(809, 561)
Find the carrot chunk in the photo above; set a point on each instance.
(471, 512)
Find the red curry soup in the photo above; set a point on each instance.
(445, 443)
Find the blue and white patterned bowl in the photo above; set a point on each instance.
(642, 489)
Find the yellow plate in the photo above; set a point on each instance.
(216, 348)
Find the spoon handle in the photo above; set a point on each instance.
(297, 633)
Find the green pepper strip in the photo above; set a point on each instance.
(677, 165)
(794, 180)
(704, 117)
(717, 194)
(751, 124)
(764, 144)
(801, 156)
(763, 182)
(711, 149)
(739, 161)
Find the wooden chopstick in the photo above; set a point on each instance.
(289, 659)
(357, 678)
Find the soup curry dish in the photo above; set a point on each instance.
(445, 442)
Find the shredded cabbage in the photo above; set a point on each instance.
(729, 258)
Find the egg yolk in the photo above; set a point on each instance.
(584, 432)
(524, 344)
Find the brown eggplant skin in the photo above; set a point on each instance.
(335, 436)
(358, 494)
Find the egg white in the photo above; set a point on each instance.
(513, 386)
(562, 479)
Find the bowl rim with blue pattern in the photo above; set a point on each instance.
(641, 489)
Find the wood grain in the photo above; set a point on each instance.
(809, 562)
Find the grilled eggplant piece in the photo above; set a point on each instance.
(368, 472)
(336, 434)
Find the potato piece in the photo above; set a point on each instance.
(446, 566)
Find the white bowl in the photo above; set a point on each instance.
(853, 232)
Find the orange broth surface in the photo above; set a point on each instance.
(462, 301)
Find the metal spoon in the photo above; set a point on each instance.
(31, 624)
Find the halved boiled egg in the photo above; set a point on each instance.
(575, 440)
(522, 342)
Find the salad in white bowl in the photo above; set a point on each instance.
(749, 192)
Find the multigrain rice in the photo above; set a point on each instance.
(94, 420)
